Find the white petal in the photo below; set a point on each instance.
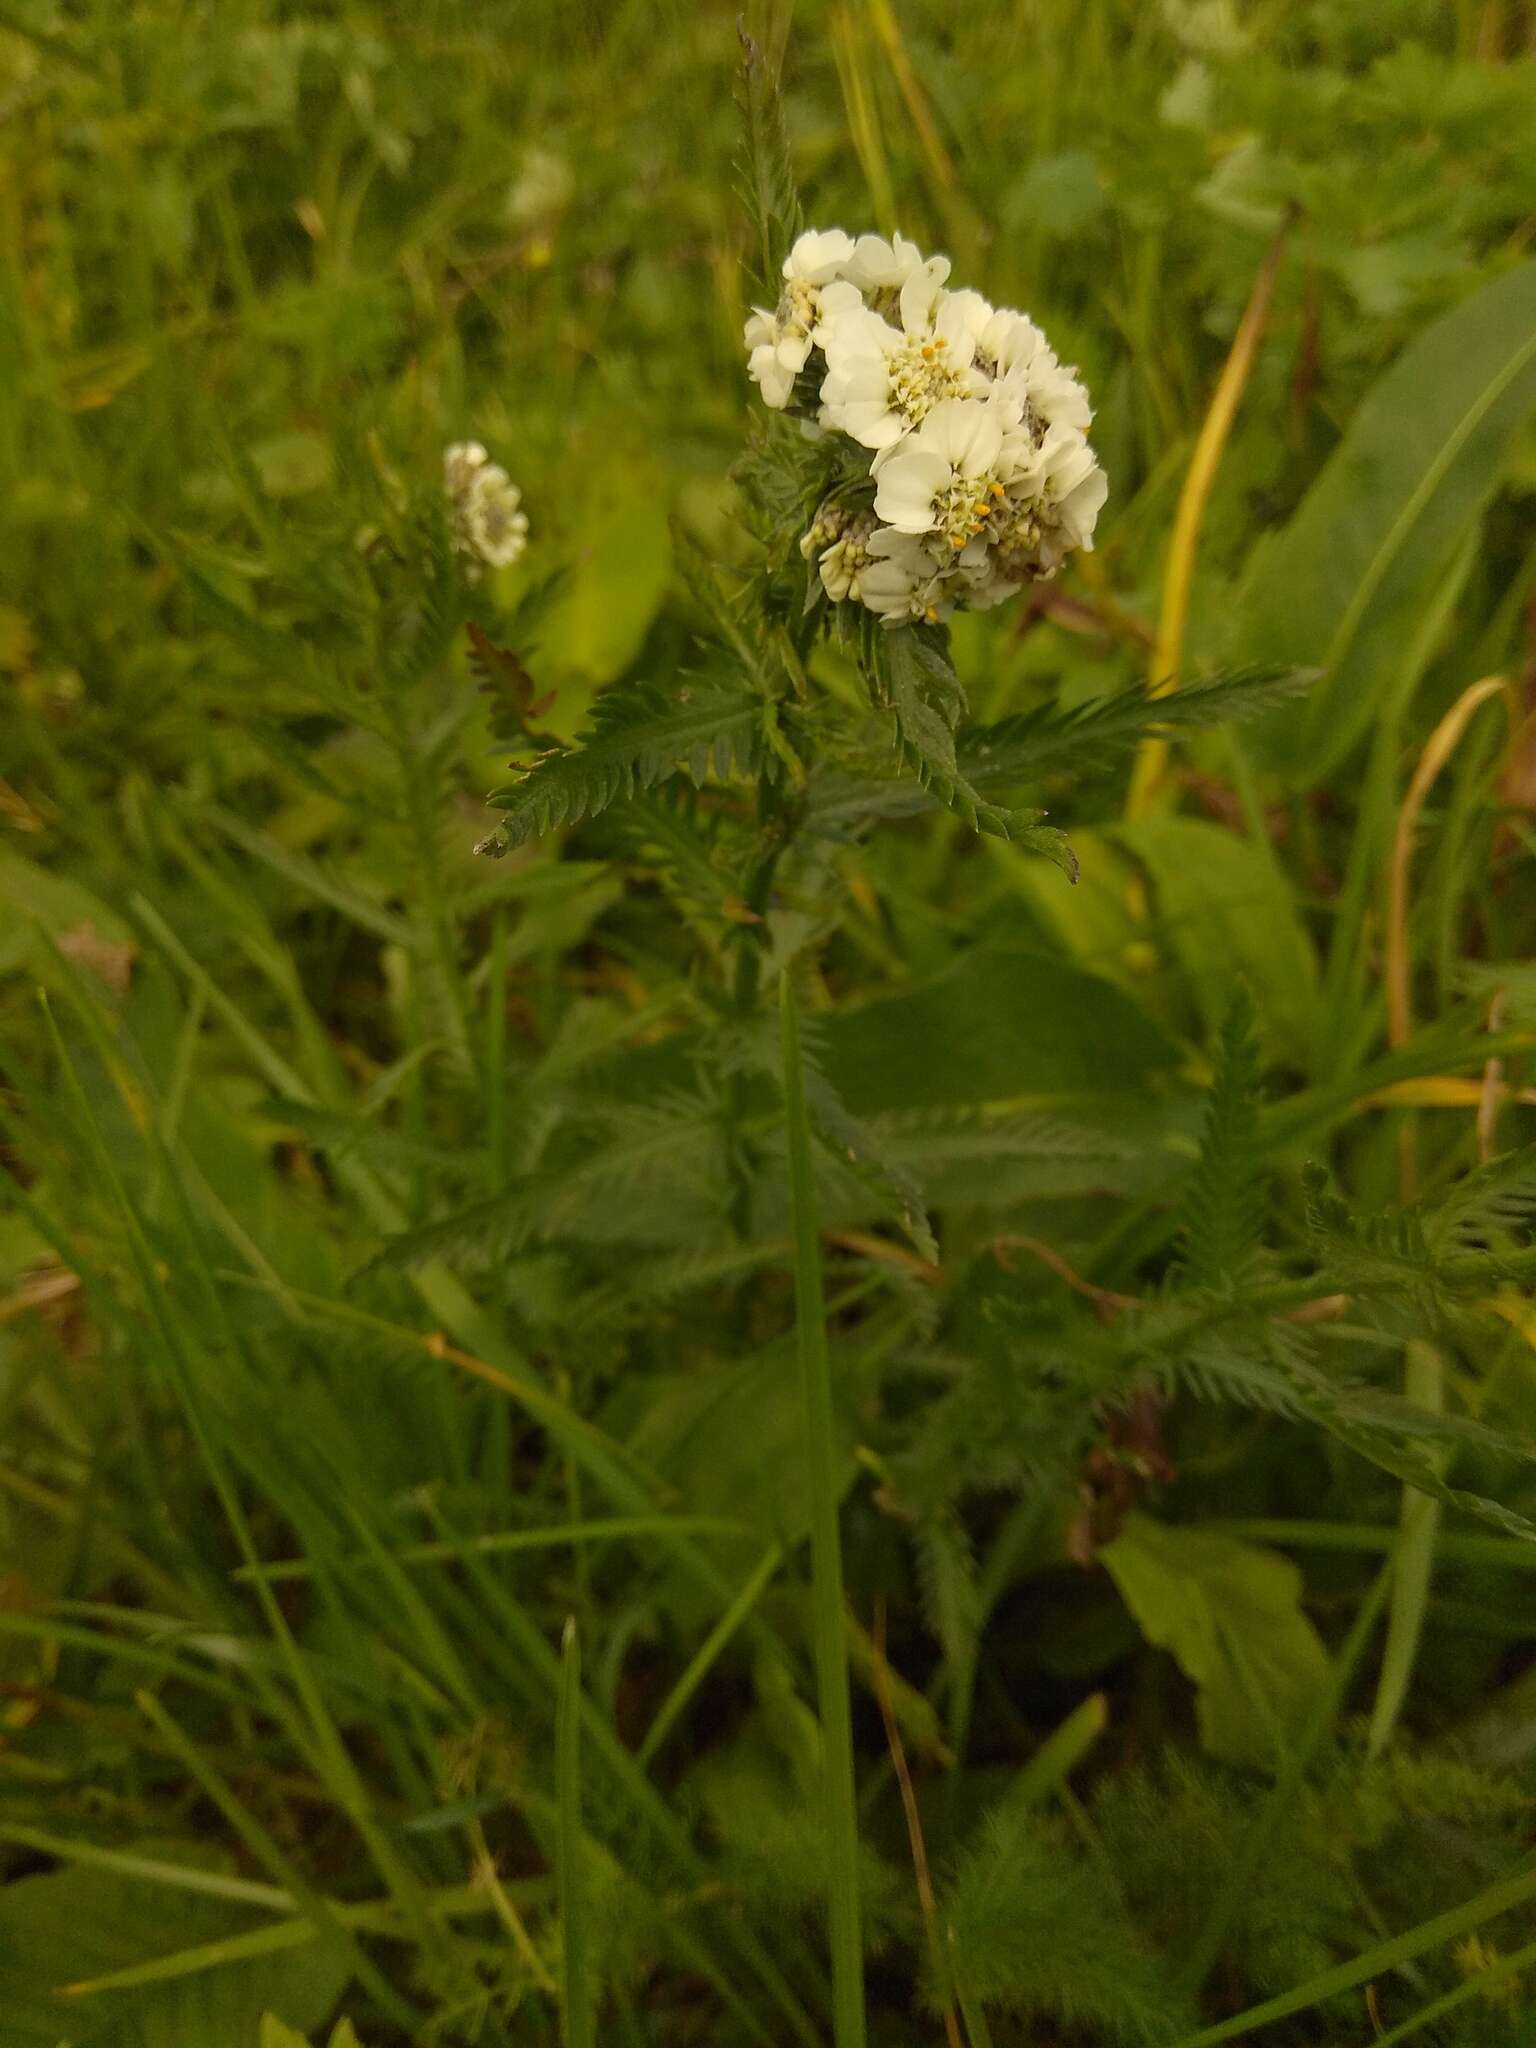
(1067, 460)
(854, 332)
(919, 293)
(1079, 511)
(876, 265)
(965, 432)
(961, 318)
(908, 486)
(857, 377)
(838, 301)
(818, 256)
(772, 379)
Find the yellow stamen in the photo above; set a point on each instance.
(931, 616)
(997, 490)
(957, 540)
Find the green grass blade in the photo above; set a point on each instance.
(1420, 1525)
(1060, 1753)
(1386, 1955)
(185, 1877)
(193, 1962)
(577, 2022)
(703, 1660)
(826, 1555)
(1503, 1553)
(263, 1846)
(522, 1651)
(1479, 1985)
(497, 1542)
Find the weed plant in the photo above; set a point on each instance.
(716, 1405)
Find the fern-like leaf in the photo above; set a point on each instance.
(1224, 1209)
(850, 1137)
(1018, 749)
(1486, 1206)
(928, 701)
(511, 694)
(638, 735)
(1033, 1929)
(766, 179)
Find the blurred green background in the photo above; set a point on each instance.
(258, 265)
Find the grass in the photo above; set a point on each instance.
(541, 1501)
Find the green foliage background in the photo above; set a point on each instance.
(398, 1247)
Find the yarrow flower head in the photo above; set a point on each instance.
(980, 477)
(485, 517)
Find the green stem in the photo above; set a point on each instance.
(496, 1053)
(436, 941)
(826, 1555)
(1418, 1529)
(577, 2027)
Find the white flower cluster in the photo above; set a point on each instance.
(485, 516)
(983, 479)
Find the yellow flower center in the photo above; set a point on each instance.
(921, 375)
(966, 507)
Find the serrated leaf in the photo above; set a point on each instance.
(1050, 738)
(512, 695)
(765, 173)
(1224, 1209)
(928, 701)
(638, 735)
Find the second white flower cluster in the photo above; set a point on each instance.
(486, 522)
(981, 473)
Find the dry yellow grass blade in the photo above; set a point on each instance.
(1178, 574)
(1443, 1091)
(1443, 742)
(1423, 1367)
(925, 1892)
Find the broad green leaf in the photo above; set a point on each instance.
(33, 897)
(1226, 912)
(1231, 1615)
(1093, 923)
(693, 1436)
(996, 1026)
(619, 578)
(275, 2035)
(71, 1926)
(1342, 584)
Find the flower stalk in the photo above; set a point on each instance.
(821, 1464)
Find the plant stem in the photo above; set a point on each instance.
(576, 2015)
(496, 1053)
(826, 1555)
